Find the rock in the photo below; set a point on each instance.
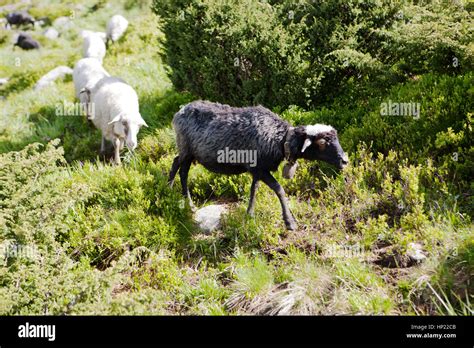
(209, 217)
(62, 23)
(393, 257)
(415, 252)
(3, 81)
(51, 33)
(53, 75)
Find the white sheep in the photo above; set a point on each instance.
(116, 27)
(86, 32)
(116, 113)
(51, 76)
(87, 72)
(93, 46)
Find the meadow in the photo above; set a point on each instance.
(79, 235)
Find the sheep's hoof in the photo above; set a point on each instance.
(192, 206)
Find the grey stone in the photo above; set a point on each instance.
(51, 33)
(415, 252)
(209, 217)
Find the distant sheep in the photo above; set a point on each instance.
(53, 75)
(19, 18)
(93, 46)
(259, 141)
(87, 72)
(86, 32)
(26, 42)
(116, 27)
(116, 113)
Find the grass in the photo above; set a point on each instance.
(118, 240)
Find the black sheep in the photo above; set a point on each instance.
(260, 140)
(19, 18)
(26, 42)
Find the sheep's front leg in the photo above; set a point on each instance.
(117, 151)
(183, 175)
(253, 190)
(276, 187)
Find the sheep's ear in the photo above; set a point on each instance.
(307, 143)
(116, 119)
(142, 122)
(87, 92)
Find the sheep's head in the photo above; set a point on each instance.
(320, 142)
(127, 128)
(21, 37)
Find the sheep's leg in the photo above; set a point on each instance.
(173, 171)
(117, 150)
(102, 146)
(253, 190)
(276, 187)
(183, 174)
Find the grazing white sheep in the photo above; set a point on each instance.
(116, 26)
(93, 46)
(53, 75)
(116, 113)
(87, 72)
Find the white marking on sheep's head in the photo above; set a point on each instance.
(127, 128)
(320, 142)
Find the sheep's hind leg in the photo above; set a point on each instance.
(102, 146)
(253, 190)
(183, 174)
(173, 171)
(276, 187)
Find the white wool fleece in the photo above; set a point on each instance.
(116, 27)
(87, 72)
(93, 46)
(116, 108)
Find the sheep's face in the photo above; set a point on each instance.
(128, 128)
(321, 143)
(21, 38)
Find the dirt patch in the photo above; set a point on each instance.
(303, 239)
(392, 257)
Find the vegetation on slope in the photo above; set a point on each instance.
(81, 236)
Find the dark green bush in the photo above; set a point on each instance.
(236, 52)
(283, 52)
